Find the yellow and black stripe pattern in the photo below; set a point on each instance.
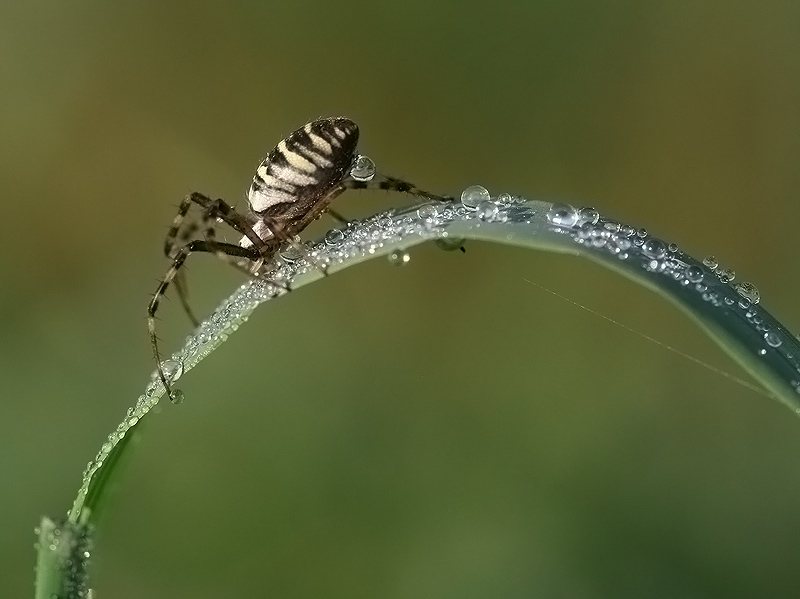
(304, 169)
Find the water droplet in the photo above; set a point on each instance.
(487, 210)
(641, 232)
(654, 248)
(399, 257)
(710, 262)
(562, 215)
(363, 169)
(727, 275)
(611, 226)
(428, 213)
(334, 237)
(504, 198)
(472, 196)
(622, 243)
(172, 369)
(291, 253)
(587, 214)
(748, 291)
(672, 248)
(177, 396)
(694, 274)
(773, 339)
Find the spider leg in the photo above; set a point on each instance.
(219, 209)
(338, 217)
(218, 248)
(212, 211)
(208, 222)
(183, 295)
(394, 184)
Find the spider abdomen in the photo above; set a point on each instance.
(304, 169)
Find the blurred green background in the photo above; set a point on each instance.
(439, 430)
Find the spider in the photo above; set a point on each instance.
(292, 187)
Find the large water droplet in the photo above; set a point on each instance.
(472, 196)
(177, 396)
(562, 215)
(363, 169)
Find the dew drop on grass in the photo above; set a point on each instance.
(472, 196)
(748, 291)
(710, 262)
(694, 274)
(654, 248)
(773, 339)
(334, 237)
(587, 214)
(562, 215)
(173, 369)
(487, 210)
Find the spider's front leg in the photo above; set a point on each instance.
(394, 184)
(218, 248)
(180, 233)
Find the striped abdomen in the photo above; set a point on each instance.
(294, 183)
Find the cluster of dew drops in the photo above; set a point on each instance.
(72, 545)
(587, 227)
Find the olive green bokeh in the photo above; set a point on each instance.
(440, 430)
